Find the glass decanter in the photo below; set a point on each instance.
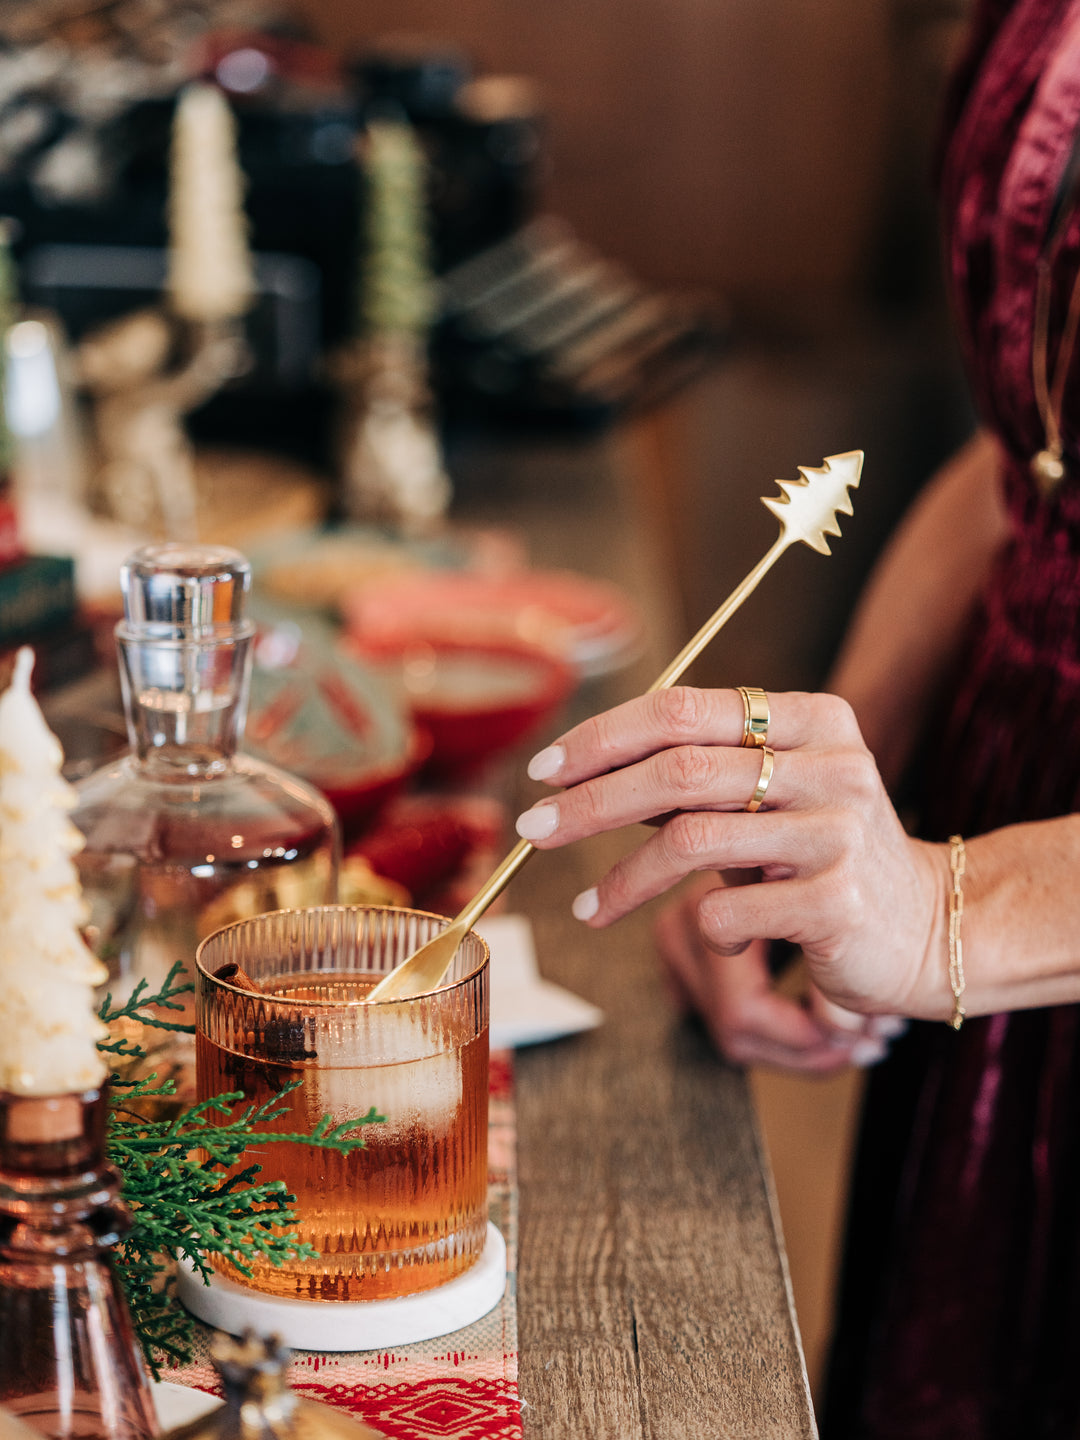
(185, 833)
(70, 1365)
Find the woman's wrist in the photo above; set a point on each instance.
(1019, 927)
(931, 996)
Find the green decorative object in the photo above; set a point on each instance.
(396, 286)
(390, 457)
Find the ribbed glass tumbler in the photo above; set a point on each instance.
(280, 999)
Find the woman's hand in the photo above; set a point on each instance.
(839, 877)
(751, 1020)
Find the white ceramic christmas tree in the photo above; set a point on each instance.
(210, 276)
(146, 471)
(47, 973)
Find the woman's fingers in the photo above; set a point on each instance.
(749, 1021)
(693, 779)
(680, 947)
(830, 1051)
(783, 846)
(690, 777)
(704, 776)
(819, 901)
(736, 999)
(851, 1024)
(822, 1058)
(843, 1022)
(680, 716)
(866, 1037)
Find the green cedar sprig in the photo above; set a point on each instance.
(183, 1202)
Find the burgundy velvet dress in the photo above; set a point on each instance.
(960, 1294)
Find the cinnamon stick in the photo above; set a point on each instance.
(281, 1037)
(233, 974)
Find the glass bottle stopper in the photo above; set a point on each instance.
(185, 592)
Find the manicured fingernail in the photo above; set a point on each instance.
(867, 1052)
(539, 822)
(546, 764)
(586, 904)
(888, 1027)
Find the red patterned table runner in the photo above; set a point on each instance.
(462, 1385)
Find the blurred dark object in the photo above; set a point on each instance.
(90, 284)
(540, 329)
(412, 78)
(38, 608)
(536, 328)
(87, 95)
(482, 138)
(36, 593)
(88, 189)
(71, 69)
(62, 654)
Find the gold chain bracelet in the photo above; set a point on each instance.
(957, 864)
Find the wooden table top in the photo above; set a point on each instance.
(653, 1297)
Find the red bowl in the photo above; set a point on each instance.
(473, 700)
(588, 623)
(361, 799)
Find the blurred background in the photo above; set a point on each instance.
(407, 258)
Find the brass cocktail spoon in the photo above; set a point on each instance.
(807, 511)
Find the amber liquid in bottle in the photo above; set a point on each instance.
(69, 1363)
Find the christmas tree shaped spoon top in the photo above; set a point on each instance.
(807, 511)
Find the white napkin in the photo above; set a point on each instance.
(525, 1008)
(180, 1404)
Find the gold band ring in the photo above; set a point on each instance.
(755, 730)
(768, 760)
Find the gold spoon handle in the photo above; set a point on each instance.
(712, 627)
(498, 880)
(494, 885)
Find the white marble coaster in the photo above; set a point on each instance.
(351, 1324)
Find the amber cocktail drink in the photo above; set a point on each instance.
(280, 999)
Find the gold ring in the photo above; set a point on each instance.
(768, 760)
(755, 730)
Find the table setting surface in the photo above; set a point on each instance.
(647, 1291)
